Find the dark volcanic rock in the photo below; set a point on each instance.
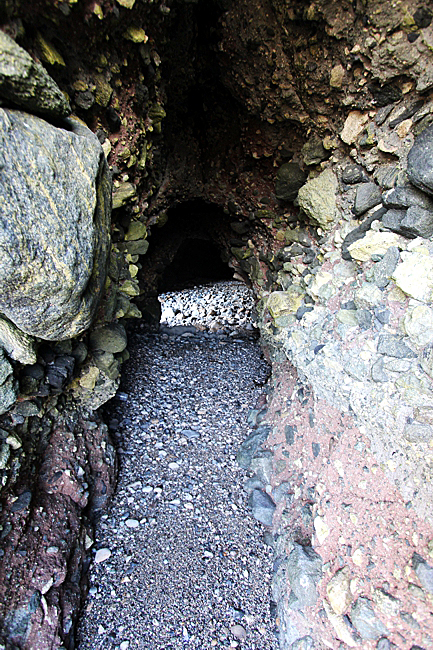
(383, 269)
(417, 222)
(290, 178)
(367, 196)
(353, 173)
(420, 161)
(392, 220)
(403, 197)
(394, 347)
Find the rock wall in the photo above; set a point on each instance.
(306, 128)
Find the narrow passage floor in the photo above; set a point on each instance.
(187, 566)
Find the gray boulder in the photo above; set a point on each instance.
(420, 161)
(262, 506)
(26, 83)
(304, 570)
(55, 201)
(365, 620)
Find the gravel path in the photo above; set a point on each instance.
(187, 565)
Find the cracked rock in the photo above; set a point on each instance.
(365, 620)
(304, 570)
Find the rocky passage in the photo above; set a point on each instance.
(179, 560)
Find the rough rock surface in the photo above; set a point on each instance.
(54, 237)
(26, 83)
(47, 523)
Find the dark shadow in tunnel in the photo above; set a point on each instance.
(192, 247)
(197, 261)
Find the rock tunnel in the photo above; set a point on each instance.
(289, 144)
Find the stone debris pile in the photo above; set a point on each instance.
(215, 307)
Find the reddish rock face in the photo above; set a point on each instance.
(66, 478)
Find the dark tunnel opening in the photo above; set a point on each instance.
(197, 261)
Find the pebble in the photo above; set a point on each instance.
(132, 523)
(102, 554)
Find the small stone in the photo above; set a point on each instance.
(102, 554)
(14, 441)
(338, 591)
(250, 445)
(132, 523)
(365, 620)
(282, 303)
(392, 220)
(364, 318)
(417, 222)
(173, 465)
(418, 325)
(190, 434)
(368, 195)
(340, 625)
(423, 571)
(353, 126)
(383, 270)
(417, 432)
(262, 506)
(313, 151)
(419, 161)
(122, 194)
(347, 317)
(103, 91)
(387, 604)
(124, 645)
(403, 197)
(377, 372)
(136, 35)
(85, 101)
(262, 465)
(368, 295)
(385, 644)
(239, 632)
(136, 230)
(353, 174)
(394, 347)
(109, 338)
(321, 528)
(337, 76)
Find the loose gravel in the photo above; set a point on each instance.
(179, 560)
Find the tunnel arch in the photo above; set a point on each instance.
(194, 244)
